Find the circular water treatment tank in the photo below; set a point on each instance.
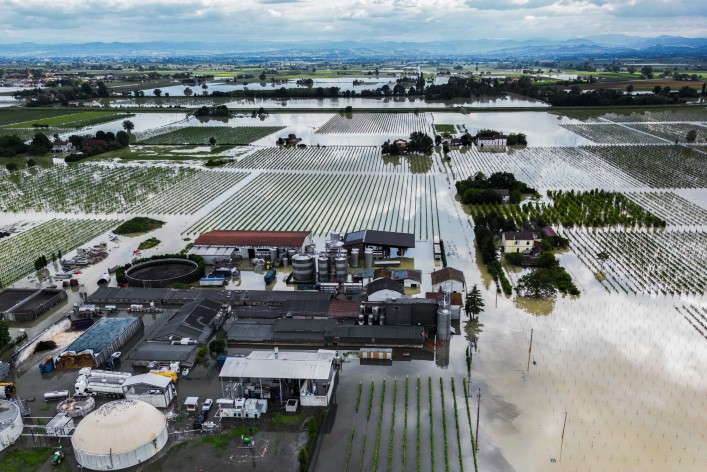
(119, 434)
(162, 272)
(10, 423)
(303, 268)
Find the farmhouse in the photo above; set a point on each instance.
(504, 193)
(492, 142)
(401, 144)
(221, 244)
(290, 140)
(62, 146)
(519, 241)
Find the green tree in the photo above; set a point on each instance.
(603, 256)
(420, 142)
(262, 76)
(691, 136)
(474, 304)
(5, 338)
(11, 167)
(212, 141)
(122, 138)
(217, 345)
(157, 92)
(101, 89)
(629, 88)
(537, 284)
(631, 69)
(128, 126)
(647, 72)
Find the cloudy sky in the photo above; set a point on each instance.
(52, 21)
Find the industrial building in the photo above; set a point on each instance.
(17, 304)
(223, 244)
(11, 424)
(119, 435)
(98, 342)
(382, 289)
(163, 353)
(157, 390)
(196, 321)
(309, 376)
(383, 244)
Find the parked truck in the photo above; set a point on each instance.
(100, 382)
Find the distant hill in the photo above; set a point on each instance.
(597, 46)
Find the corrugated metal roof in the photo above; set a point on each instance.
(151, 351)
(194, 320)
(253, 238)
(283, 365)
(101, 334)
(385, 284)
(254, 331)
(148, 379)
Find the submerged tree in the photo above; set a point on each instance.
(474, 302)
(536, 284)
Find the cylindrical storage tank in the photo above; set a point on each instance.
(354, 257)
(291, 253)
(119, 435)
(273, 254)
(334, 235)
(285, 261)
(302, 268)
(323, 262)
(11, 424)
(341, 268)
(444, 322)
(368, 258)
(310, 248)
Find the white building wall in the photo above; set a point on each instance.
(11, 432)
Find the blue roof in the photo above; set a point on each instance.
(101, 334)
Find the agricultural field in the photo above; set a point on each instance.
(333, 158)
(402, 124)
(692, 114)
(11, 116)
(410, 424)
(644, 261)
(696, 317)
(18, 253)
(201, 134)
(674, 209)
(657, 166)
(300, 202)
(191, 193)
(605, 133)
(561, 168)
(73, 120)
(672, 131)
(85, 188)
(569, 209)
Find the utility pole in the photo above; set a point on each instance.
(530, 347)
(478, 409)
(562, 441)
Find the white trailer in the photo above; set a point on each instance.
(100, 382)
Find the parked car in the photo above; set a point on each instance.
(208, 403)
(198, 421)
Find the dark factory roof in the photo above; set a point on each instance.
(151, 351)
(384, 284)
(447, 274)
(379, 332)
(251, 331)
(380, 238)
(253, 238)
(194, 320)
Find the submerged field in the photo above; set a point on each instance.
(623, 362)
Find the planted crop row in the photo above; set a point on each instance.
(678, 114)
(9, 116)
(545, 167)
(192, 193)
(639, 261)
(468, 417)
(377, 123)
(392, 428)
(432, 434)
(85, 188)
(658, 166)
(456, 422)
(404, 203)
(73, 120)
(353, 429)
(671, 207)
(222, 134)
(378, 432)
(444, 426)
(672, 131)
(610, 133)
(18, 253)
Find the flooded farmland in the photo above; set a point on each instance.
(613, 379)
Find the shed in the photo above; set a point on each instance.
(157, 390)
(448, 278)
(383, 289)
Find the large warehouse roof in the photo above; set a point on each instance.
(101, 334)
(301, 365)
(118, 427)
(253, 238)
(380, 238)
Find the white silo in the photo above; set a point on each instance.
(354, 257)
(303, 268)
(323, 263)
(444, 319)
(119, 434)
(368, 258)
(11, 424)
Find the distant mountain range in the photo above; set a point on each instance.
(591, 47)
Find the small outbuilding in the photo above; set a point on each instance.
(157, 390)
(382, 243)
(450, 279)
(119, 435)
(383, 289)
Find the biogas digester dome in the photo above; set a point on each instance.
(119, 434)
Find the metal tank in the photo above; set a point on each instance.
(368, 258)
(444, 319)
(310, 248)
(273, 254)
(302, 268)
(341, 265)
(335, 235)
(323, 263)
(285, 261)
(291, 253)
(354, 257)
